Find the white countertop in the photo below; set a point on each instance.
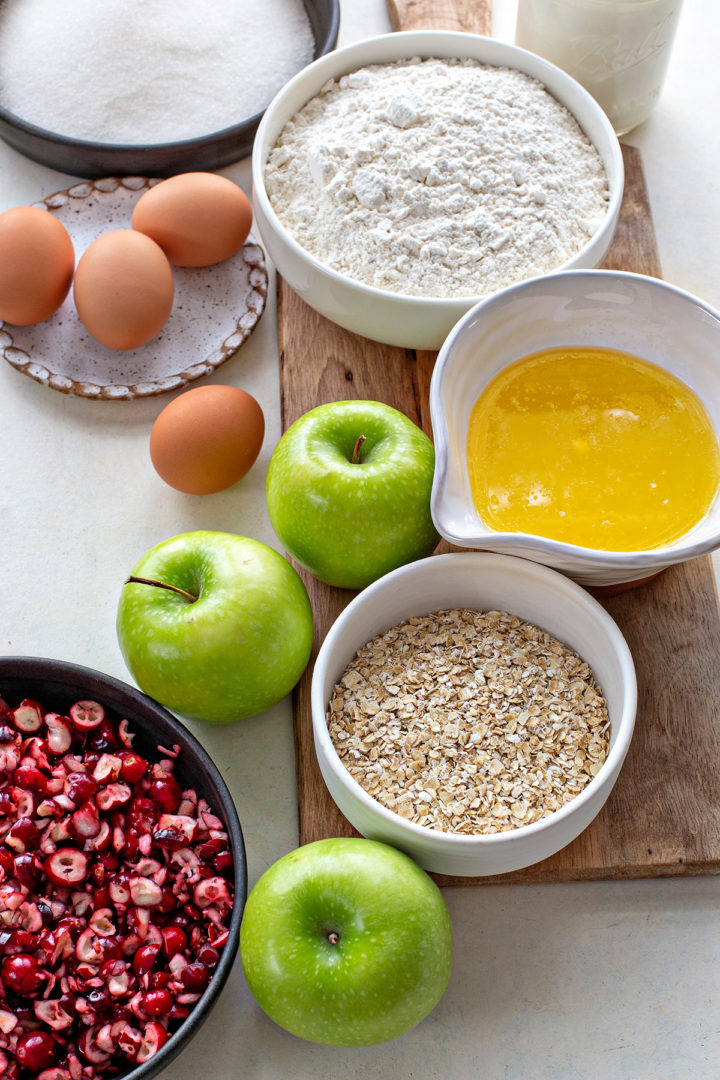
(601, 981)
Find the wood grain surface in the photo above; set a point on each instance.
(663, 816)
(471, 16)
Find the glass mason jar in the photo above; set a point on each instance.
(617, 49)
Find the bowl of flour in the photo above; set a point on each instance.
(398, 181)
(149, 87)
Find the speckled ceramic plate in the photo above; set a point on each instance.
(216, 308)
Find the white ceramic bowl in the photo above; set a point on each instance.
(636, 314)
(483, 581)
(412, 321)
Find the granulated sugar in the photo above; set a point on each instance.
(147, 71)
(437, 178)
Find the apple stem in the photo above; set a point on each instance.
(162, 585)
(355, 459)
(333, 937)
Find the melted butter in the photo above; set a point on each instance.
(594, 447)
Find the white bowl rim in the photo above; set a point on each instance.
(462, 841)
(681, 551)
(502, 48)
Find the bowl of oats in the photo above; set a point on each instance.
(473, 710)
(398, 180)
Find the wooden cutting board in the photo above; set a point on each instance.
(663, 816)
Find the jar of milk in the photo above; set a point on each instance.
(617, 49)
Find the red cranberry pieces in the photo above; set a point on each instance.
(23, 836)
(27, 870)
(113, 883)
(166, 793)
(85, 822)
(133, 767)
(195, 977)
(21, 974)
(36, 1050)
(28, 716)
(174, 940)
(79, 787)
(59, 733)
(144, 959)
(67, 866)
(87, 715)
(154, 1037)
(55, 1013)
(157, 1002)
(30, 778)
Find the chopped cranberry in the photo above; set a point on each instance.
(30, 778)
(209, 956)
(178, 1012)
(21, 941)
(59, 733)
(168, 902)
(101, 1004)
(101, 895)
(85, 822)
(55, 1013)
(80, 787)
(108, 860)
(210, 848)
(142, 814)
(224, 864)
(154, 1037)
(213, 890)
(23, 836)
(103, 739)
(113, 796)
(28, 870)
(133, 766)
(21, 974)
(174, 940)
(166, 793)
(28, 716)
(86, 715)
(157, 1002)
(68, 866)
(195, 977)
(111, 947)
(170, 839)
(36, 1050)
(145, 958)
(131, 845)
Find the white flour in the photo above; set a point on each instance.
(437, 178)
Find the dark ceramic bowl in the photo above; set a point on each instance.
(79, 157)
(56, 684)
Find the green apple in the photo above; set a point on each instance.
(215, 626)
(348, 492)
(346, 942)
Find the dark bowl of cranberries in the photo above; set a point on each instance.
(122, 877)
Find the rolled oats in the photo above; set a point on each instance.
(469, 722)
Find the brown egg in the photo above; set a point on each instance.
(123, 289)
(197, 218)
(207, 438)
(36, 265)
